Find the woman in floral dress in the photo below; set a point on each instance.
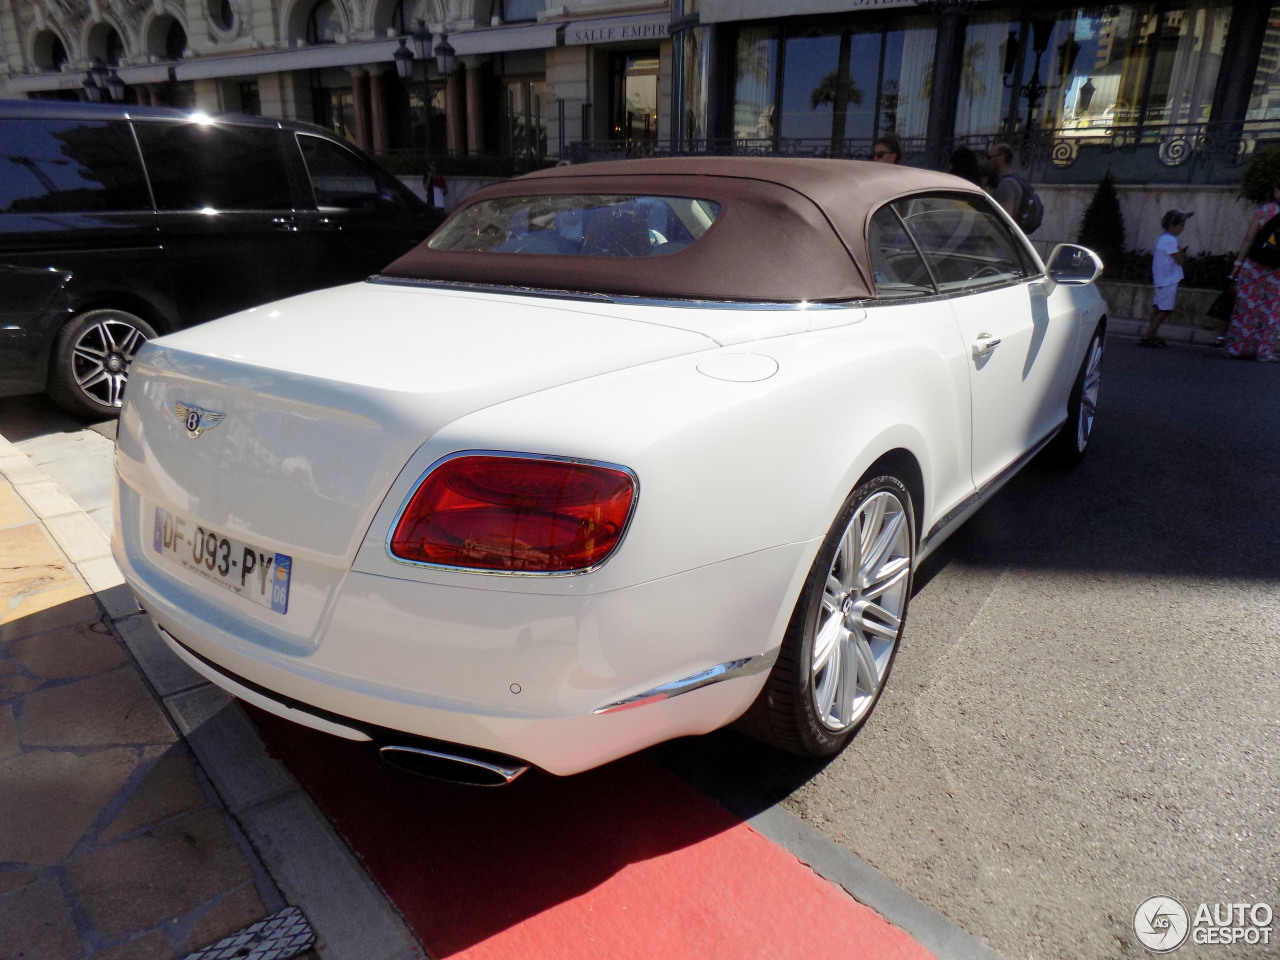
(1255, 322)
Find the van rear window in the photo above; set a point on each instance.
(585, 224)
(69, 166)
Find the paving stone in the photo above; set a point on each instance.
(78, 536)
(36, 922)
(8, 733)
(18, 467)
(29, 561)
(13, 511)
(232, 754)
(13, 879)
(47, 499)
(170, 788)
(48, 610)
(139, 882)
(16, 683)
(316, 871)
(231, 914)
(80, 651)
(36, 830)
(115, 707)
(164, 668)
(153, 946)
(106, 581)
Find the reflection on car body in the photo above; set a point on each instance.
(634, 450)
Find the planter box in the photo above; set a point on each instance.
(1133, 300)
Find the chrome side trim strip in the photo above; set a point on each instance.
(721, 671)
(971, 502)
(463, 287)
(507, 772)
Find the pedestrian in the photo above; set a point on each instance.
(888, 149)
(964, 163)
(1255, 321)
(434, 186)
(1166, 273)
(1006, 186)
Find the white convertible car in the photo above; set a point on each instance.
(625, 451)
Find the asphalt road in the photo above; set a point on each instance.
(1085, 711)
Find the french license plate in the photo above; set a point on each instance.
(251, 572)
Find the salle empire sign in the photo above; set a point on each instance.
(611, 33)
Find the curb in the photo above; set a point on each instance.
(312, 867)
(1172, 332)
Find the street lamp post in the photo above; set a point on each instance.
(405, 60)
(102, 84)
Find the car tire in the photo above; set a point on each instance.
(91, 359)
(1072, 442)
(845, 628)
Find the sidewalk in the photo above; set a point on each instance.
(119, 839)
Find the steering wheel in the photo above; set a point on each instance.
(984, 271)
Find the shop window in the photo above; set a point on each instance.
(1264, 100)
(527, 117)
(1092, 69)
(844, 85)
(753, 91)
(633, 96)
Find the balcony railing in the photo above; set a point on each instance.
(1155, 154)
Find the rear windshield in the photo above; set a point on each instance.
(591, 225)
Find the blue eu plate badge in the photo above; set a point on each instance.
(280, 586)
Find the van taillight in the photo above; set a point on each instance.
(517, 514)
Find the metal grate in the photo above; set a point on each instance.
(277, 937)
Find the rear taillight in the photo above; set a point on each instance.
(517, 514)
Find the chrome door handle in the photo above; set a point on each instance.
(985, 344)
(288, 224)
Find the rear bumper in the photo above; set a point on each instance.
(527, 676)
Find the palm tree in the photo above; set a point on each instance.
(838, 89)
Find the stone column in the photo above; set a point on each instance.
(475, 104)
(378, 108)
(360, 99)
(455, 115)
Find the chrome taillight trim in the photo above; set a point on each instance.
(517, 455)
(730, 670)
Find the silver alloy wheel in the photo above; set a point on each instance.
(1089, 394)
(100, 359)
(862, 607)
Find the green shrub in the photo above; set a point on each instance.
(1262, 176)
(1102, 226)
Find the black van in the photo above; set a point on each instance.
(119, 223)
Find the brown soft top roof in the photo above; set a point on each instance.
(788, 230)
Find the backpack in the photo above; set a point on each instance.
(1265, 249)
(1031, 210)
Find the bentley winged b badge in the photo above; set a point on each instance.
(196, 419)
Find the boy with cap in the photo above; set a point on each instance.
(1166, 273)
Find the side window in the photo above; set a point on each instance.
(215, 166)
(69, 166)
(964, 241)
(895, 262)
(338, 176)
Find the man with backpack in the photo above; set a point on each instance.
(1012, 191)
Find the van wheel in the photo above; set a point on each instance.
(91, 360)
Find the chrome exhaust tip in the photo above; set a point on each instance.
(452, 767)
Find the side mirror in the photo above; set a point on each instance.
(1073, 265)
